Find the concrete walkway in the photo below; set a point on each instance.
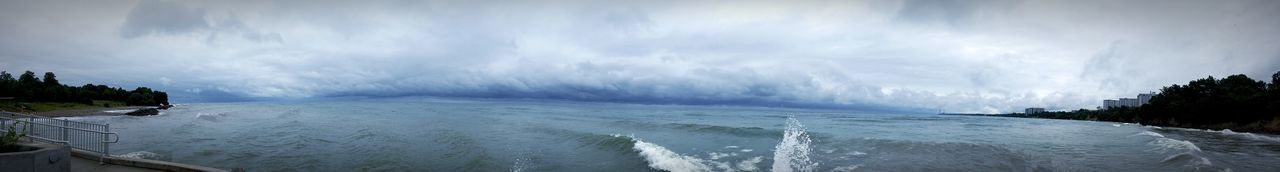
(80, 164)
(88, 161)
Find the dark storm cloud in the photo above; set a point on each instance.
(162, 17)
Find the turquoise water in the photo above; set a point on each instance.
(426, 134)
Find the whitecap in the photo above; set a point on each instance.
(520, 165)
(717, 155)
(731, 147)
(1189, 159)
(1152, 134)
(119, 111)
(1249, 135)
(847, 168)
(746, 150)
(750, 164)
(663, 159)
(1175, 144)
(141, 155)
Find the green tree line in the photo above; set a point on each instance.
(1236, 102)
(28, 87)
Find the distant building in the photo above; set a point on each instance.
(1143, 99)
(1034, 110)
(1129, 102)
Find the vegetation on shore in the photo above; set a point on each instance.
(30, 93)
(1236, 102)
(16, 106)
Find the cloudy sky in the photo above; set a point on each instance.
(957, 56)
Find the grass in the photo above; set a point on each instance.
(18, 106)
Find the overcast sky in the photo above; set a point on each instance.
(957, 56)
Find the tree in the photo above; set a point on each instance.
(136, 99)
(1275, 81)
(7, 84)
(161, 98)
(29, 79)
(50, 80)
(6, 77)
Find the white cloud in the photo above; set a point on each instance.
(957, 56)
(166, 81)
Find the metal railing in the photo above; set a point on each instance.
(92, 137)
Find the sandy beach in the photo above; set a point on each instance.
(91, 112)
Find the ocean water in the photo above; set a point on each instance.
(428, 134)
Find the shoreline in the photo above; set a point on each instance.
(1236, 128)
(89, 112)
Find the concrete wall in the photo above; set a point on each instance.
(43, 157)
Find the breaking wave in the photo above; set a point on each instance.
(663, 159)
(1184, 152)
(792, 154)
(1249, 135)
(143, 155)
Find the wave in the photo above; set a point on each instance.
(1227, 132)
(612, 142)
(1188, 159)
(1186, 153)
(143, 155)
(663, 159)
(461, 147)
(750, 164)
(211, 117)
(792, 154)
(1249, 135)
(846, 168)
(119, 111)
(737, 131)
(1175, 144)
(1165, 143)
(704, 128)
(875, 154)
(1149, 133)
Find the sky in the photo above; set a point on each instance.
(926, 55)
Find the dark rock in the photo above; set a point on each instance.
(144, 112)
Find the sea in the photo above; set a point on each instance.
(442, 134)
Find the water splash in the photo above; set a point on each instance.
(792, 154)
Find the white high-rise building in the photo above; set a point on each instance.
(1034, 110)
(1143, 99)
(1129, 102)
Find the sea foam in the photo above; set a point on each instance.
(141, 155)
(663, 159)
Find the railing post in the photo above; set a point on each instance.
(106, 148)
(29, 130)
(66, 129)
